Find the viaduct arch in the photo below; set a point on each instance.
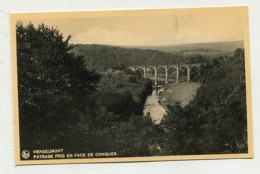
(177, 67)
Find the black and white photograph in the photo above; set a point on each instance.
(131, 85)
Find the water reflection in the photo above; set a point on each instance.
(152, 105)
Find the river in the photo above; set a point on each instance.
(151, 105)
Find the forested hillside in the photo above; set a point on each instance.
(215, 121)
(103, 57)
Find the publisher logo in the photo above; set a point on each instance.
(25, 154)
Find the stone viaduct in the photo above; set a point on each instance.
(177, 67)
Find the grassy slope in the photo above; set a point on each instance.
(182, 92)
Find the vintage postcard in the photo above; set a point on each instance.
(131, 85)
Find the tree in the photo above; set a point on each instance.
(215, 121)
(53, 86)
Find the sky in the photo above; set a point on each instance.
(148, 27)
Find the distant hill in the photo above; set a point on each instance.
(105, 56)
(207, 49)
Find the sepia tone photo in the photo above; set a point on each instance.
(131, 85)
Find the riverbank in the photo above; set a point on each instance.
(182, 92)
(154, 108)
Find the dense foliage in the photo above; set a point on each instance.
(123, 94)
(52, 83)
(215, 121)
(62, 103)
